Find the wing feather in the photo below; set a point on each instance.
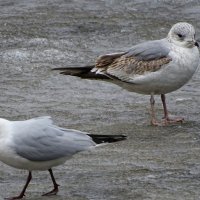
(143, 58)
(39, 140)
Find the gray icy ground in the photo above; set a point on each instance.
(155, 162)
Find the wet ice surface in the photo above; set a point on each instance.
(155, 162)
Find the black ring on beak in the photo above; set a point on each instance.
(196, 44)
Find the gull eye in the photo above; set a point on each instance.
(180, 35)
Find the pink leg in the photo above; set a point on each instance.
(166, 118)
(22, 194)
(55, 190)
(153, 116)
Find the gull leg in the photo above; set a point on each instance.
(166, 114)
(22, 194)
(55, 190)
(153, 116)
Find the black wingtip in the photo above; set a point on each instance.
(107, 138)
(74, 71)
(82, 72)
(74, 68)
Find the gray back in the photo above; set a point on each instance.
(39, 140)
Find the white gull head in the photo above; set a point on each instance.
(182, 34)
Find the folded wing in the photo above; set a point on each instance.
(39, 140)
(140, 59)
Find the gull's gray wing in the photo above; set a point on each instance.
(150, 50)
(140, 59)
(38, 139)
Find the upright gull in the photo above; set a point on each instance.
(37, 144)
(154, 67)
